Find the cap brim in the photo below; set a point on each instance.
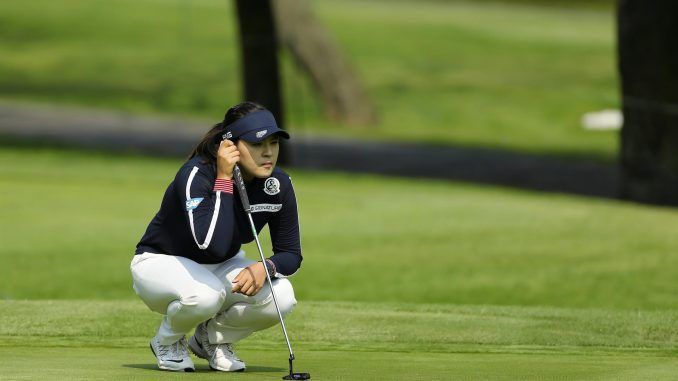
(252, 137)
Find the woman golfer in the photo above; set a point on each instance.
(188, 265)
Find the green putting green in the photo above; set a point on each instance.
(87, 339)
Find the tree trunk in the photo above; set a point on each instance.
(648, 65)
(258, 42)
(343, 95)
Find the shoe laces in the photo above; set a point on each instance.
(176, 350)
(215, 350)
(225, 350)
(181, 347)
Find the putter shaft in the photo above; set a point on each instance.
(242, 191)
(270, 284)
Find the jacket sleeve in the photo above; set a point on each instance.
(208, 212)
(284, 229)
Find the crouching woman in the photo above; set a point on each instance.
(189, 265)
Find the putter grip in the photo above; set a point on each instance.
(240, 183)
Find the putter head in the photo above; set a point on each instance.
(298, 376)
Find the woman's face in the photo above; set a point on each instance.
(258, 159)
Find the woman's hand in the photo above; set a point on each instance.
(250, 280)
(227, 156)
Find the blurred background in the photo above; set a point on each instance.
(444, 153)
(471, 146)
(515, 75)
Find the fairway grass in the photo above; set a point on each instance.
(67, 215)
(80, 339)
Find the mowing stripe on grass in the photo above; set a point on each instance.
(350, 326)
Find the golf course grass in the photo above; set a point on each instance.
(402, 279)
(347, 340)
(446, 72)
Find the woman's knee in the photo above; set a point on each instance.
(204, 302)
(163, 280)
(285, 295)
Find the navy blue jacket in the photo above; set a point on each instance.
(209, 226)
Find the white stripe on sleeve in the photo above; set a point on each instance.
(215, 215)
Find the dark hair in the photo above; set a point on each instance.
(209, 145)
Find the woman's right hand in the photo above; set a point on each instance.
(227, 156)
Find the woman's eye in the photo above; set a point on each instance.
(274, 142)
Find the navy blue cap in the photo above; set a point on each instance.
(254, 127)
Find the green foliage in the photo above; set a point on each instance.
(144, 56)
(470, 73)
(483, 74)
(567, 4)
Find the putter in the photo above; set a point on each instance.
(242, 191)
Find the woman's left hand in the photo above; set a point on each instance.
(250, 280)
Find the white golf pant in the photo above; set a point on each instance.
(189, 293)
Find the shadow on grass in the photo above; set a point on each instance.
(204, 368)
(583, 174)
(576, 175)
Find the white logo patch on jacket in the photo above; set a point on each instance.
(272, 186)
(265, 208)
(193, 203)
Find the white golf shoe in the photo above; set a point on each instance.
(172, 357)
(220, 356)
